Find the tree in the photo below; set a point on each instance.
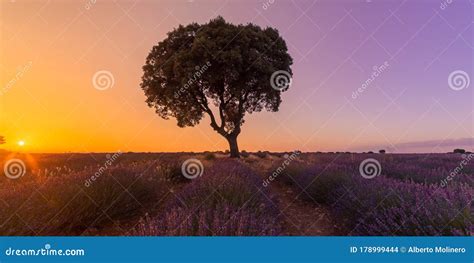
(219, 70)
(459, 151)
(2, 140)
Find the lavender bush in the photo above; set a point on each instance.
(226, 201)
(64, 204)
(395, 207)
(410, 197)
(414, 195)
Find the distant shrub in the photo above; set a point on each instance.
(277, 154)
(459, 151)
(381, 151)
(244, 154)
(209, 156)
(261, 154)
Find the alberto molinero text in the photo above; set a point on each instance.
(415, 249)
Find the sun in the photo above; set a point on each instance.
(21, 143)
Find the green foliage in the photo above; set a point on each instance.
(217, 64)
(209, 156)
(261, 154)
(244, 154)
(459, 151)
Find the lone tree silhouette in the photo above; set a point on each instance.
(2, 140)
(217, 67)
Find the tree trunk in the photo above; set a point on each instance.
(234, 147)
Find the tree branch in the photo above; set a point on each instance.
(222, 104)
(219, 129)
(240, 116)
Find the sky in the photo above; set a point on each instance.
(367, 75)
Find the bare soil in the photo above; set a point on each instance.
(301, 217)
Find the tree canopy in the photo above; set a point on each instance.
(216, 69)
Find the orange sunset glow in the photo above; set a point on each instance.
(51, 102)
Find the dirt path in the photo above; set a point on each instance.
(301, 217)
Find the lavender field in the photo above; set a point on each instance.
(261, 194)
